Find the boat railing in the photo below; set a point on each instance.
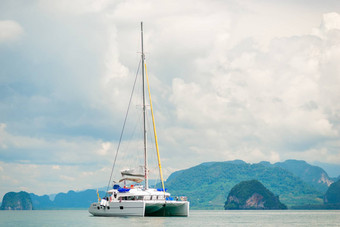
(183, 198)
(177, 198)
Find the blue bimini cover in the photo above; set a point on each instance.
(161, 189)
(124, 189)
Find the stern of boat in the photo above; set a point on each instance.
(167, 209)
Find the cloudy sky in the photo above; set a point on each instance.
(252, 80)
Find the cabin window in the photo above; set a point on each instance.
(131, 198)
(160, 197)
(147, 197)
(154, 197)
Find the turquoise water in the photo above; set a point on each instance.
(197, 218)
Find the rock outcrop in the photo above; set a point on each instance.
(16, 201)
(252, 195)
(332, 195)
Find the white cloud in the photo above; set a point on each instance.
(10, 31)
(44, 179)
(67, 178)
(31, 150)
(260, 104)
(76, 6)
(105, 148)
(331, 21)
(56, 167)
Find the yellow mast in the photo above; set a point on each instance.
(154, 130)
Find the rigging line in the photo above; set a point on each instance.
(133, 136)
(132, 140)
(121, 134)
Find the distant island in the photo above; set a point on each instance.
(298, 184)
(252, 195)
(16, 201)
(71, 200)
(331, 200)
(332, 195)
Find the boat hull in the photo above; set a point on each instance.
(135, 208)
(170, 208)
(141, 208)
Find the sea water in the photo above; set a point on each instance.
(196, 218)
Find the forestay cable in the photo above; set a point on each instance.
(121, 134)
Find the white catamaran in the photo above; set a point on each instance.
(140, 200)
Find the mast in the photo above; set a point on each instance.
(144, 117)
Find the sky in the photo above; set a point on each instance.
(252, 80)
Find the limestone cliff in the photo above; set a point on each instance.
(16, 201)
(252, 195)
(332, 195)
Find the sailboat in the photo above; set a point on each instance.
(136, 199)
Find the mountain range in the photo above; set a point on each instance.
(207, 185)
(310, 174)
(69, 200)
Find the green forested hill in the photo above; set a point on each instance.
(207, 185)
(312, 175)
(331, 200)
